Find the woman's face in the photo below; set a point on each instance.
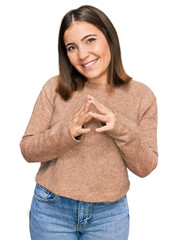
(88, 51)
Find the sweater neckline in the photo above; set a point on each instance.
(96, 85)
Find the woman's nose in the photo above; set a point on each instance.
(82, 53)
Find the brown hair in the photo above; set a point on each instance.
(70, 79)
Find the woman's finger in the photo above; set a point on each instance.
(99, 117)
(84, 130)
(103, 129)
(84, 118)
(86, 105)
(88, 118)
(100, 107)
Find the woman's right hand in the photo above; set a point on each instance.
(80, 118)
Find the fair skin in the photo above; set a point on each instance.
(88, 51)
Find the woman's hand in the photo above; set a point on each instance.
(106, 116)
(80, 118)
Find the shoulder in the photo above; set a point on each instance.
(141, 90)
(148, 101)
(51, 83)
(49, 88)
(145, 89)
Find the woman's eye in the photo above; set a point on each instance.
(91, 40)
(71, 48)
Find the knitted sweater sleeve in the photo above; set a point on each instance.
(42, 143)
(137, 142)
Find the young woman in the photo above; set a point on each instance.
(89, 125)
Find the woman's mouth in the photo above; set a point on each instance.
(90, 64)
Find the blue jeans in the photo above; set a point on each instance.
(53, 217)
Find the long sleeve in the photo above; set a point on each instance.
(42, 143)
(137, 142)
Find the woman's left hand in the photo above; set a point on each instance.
(105, 115)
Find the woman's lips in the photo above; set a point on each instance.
(89, 64)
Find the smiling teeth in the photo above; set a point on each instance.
(90, 64)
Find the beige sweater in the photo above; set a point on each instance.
(94, 168)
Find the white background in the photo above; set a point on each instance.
(28, 58)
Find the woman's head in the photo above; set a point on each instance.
(88, 20)
(88, 51)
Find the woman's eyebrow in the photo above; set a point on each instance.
(86, 36)
(89, 35)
